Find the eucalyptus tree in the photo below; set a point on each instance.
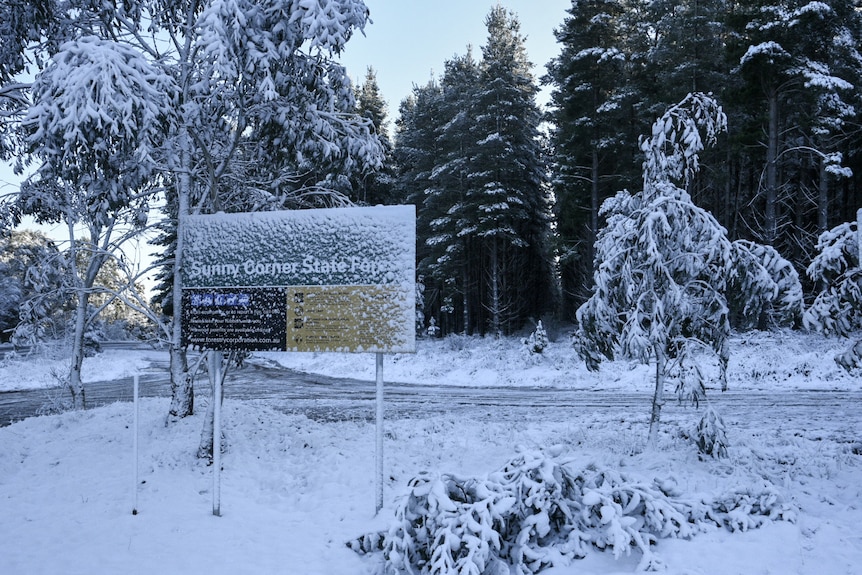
(31, 285)
(264, 114)
(97, 115)
(257, 115)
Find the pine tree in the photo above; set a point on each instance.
(589, 113)
(662, 262)
(507, 183)
(792, 55)
(451, 243)
(374, 187)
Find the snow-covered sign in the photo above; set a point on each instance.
(339, 279)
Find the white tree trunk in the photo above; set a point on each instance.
(182, 384)
(76, 386)
(657, 401)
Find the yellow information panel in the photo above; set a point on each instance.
(344, 318)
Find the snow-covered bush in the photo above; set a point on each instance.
(710, 434)
(539, 512)
(433, 330)
(764, 288)
(538, 340)
(837, 269)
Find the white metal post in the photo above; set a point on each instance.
(215, 370)
(859, 236)
(135, 443)
(379, 449)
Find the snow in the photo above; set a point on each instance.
(294, 490)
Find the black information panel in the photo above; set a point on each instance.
(244, 318)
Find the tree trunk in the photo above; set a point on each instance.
(594, 211)
(205, 449)
(496, 320)
(657, 401)
(859, 238)
(76, 386)
(182, 384)
(465, 294)
(823, 199)
(770, 222)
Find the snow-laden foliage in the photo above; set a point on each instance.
(266, 62)
(764, 288)
(662, 263)
(710, 435)
(539, 511)
(660, 278)
(97, 115)
(837, 270)
(538, 340)
(673, 150)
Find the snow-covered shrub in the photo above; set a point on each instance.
(764, 288)
(837, 269)
(538, 512)
(710, 434)
(538, 340)
(433, 330)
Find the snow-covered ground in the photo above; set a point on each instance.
(294, 491)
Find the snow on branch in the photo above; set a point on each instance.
(538, 511)
(672, 151)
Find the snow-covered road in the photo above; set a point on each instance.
(323, 398)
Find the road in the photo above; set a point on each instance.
(333, 399)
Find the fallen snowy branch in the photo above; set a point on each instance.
(538, 512)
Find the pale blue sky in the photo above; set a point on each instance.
(411, 39)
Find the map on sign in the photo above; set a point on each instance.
(311, 280)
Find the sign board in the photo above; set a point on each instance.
(339, 279)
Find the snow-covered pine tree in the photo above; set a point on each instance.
(451, 244)
(837, 270)
(764, 289)
(801, 62)
(538, 340)
(590, 128)
(662, 262)
(374, 187)
(507, 193)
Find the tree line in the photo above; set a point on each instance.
(786, 171)
(185, 106)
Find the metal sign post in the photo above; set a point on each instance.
(135, 444)
(379, 448)
(215, 359)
